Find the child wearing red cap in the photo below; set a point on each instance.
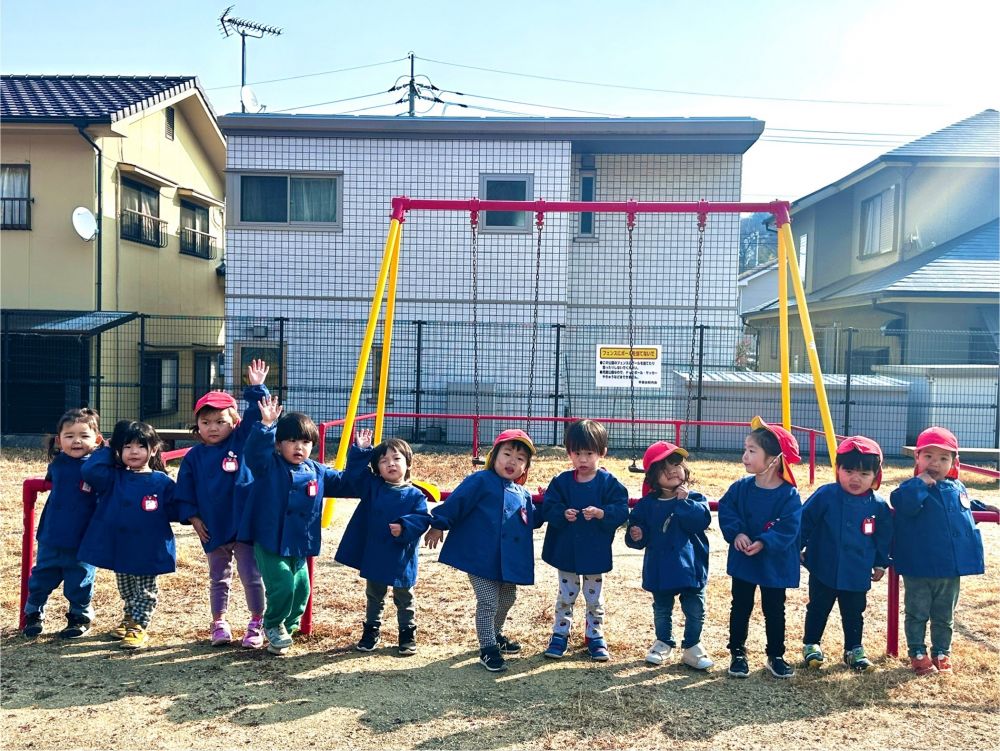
(759, 517)
(669, 523)
(490, 518)
(212, 499)
(846, 536)
(584, 507)
(936, 543)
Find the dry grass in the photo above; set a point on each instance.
(181, 693)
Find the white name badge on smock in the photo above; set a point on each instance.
(964, 500)
(150, 503)
(230, 464)
(312, 488)
(868, 526)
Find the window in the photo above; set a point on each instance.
(289, 199)
(195, 238)
(15, 197)
(506, 188)
(803, 255)
(269, 352)
(878, 224)
(140, 219)
(207, 367)
(168, 123)
(159, 383)
(588, 180)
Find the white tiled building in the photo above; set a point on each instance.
(308, 202)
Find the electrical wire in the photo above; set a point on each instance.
(332, 101)
(309, 75)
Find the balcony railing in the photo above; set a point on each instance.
(16, 213)
(143, 228)
(197, 243)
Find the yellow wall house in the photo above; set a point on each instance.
(96, 320)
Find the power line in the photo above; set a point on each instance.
(332, 101)
(310, 75)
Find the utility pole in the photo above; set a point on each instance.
(412, 88)
(232, 25)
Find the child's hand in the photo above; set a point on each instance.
(754, 547)
(635, 533)
(877, 574)
(593, 512)
(199, 528)
(570, 514)
(270, 410)
(681, 492)
(364, 438)
(257, 372)
(395, 529)
(928, 480)
(742, 542)
(433, 537)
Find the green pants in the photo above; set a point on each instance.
(286, 582)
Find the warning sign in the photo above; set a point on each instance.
(613, 366)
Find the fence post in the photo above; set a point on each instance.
(555, 385)
(281, 358)
(5, 391)
(142, 363)
(848, 356)
(418, 390)
(701, 373)
(996, 412)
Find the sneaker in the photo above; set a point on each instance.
(813, 655)
(738, 666)
(277, 639)
(122, 628)
(779, 668)
(942, 662)
(492, 660)
(370, 638)
(658, 653)
(407, 641)
(254, 637)
(136, 637)
(696, 657)
(557, 647)
(33, 624)
(76, 626)
(508, 646)
(221, 633)
(922, 664)
(856, 659)
(598, 649)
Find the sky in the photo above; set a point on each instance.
(837, 83)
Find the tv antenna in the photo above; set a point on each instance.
(230, 25)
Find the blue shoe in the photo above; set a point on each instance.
(557, 646)
(598, 649)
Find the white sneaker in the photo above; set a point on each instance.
(697, 658)
(658, 653)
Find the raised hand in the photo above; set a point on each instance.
(270, 410)
(257, 372)
(364, 439)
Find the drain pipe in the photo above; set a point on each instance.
(100, 214)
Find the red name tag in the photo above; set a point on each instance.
(868, 526)
(230, 464)
(770, 524)
(312, 488)
(150, 503)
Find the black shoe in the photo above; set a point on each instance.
(738, 666)
(779, 668)
(76, 626)
(508, 646)
(369, 639)
(407, 641)
(33, 624)
(492, 660)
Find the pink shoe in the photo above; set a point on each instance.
(254, 638)
(221, 633)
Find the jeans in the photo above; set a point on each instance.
(929, 599)
(55, 565)
(693, 607)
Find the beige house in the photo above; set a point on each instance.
(145, 156)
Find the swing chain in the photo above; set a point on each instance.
(630, 226)
(539, 225)
(702, 219)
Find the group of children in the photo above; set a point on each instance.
(254, 497)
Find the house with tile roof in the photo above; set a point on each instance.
(907, 242)
(144, 157)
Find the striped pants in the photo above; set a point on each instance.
(494, 599)
(140, 594)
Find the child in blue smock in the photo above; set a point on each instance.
(65, 517)
(846, 534)
(283, 513)
(584, 507)
(936, 543)
(212, 501)
(130, 532)
(490, 518)
(759, 517)
(669, 523)
(383, 535)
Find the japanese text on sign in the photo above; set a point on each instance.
(613, 366)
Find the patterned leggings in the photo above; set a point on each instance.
(140, 594)
(494, 600)
(570, 587)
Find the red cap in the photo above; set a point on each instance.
(864, 446)
(512, 435)
(941, 438)
(216, 400)
(658, 452)
(786, 442)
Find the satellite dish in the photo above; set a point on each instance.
(84, 223)
(249, 100)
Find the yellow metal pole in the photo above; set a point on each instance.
(366, 346)
(390, 312)
(786, 389)
(807, 332)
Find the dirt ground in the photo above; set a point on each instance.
(181, 693)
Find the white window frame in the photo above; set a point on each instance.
(235, 190)
(529, 191)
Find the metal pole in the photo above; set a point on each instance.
(142, 360)
(848, 357)
(701, 363)
(555, 386)
(418, 390)
(243, 68)
(281, 359)
(412, 87)
(996, 412)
